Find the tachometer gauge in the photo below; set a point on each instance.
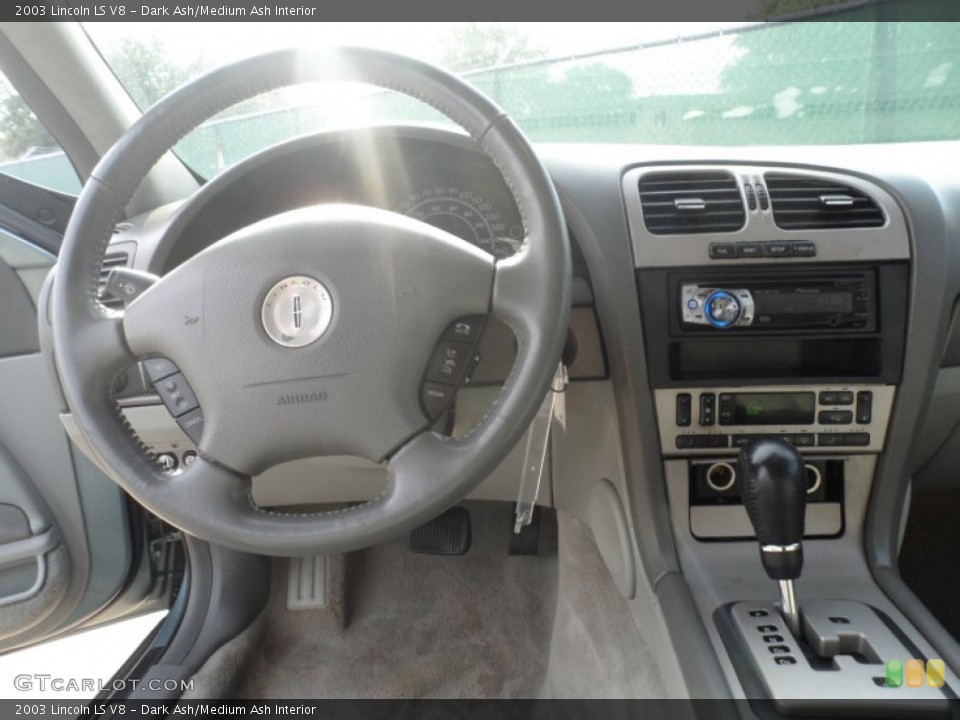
(465, 214)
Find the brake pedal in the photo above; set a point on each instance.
(527, 541)
(449, 534)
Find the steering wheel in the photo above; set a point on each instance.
(308, 333)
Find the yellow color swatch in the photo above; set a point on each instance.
(935, 673)
(914, 673)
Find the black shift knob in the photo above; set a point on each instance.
(775, 496)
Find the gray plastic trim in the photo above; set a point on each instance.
(38, 583)
(888, 242)
(801, 689)
(16, 553)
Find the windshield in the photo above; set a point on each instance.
(830, 82)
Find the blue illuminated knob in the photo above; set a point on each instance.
(722, 309)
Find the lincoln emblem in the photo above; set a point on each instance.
(297, 311)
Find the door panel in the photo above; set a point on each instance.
(69, 552)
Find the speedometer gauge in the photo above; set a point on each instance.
(465, 214)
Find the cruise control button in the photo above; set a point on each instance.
(192, 425)
(177, 395)
(436, 398)
(449, 362)
(158, 368)
(466, 329)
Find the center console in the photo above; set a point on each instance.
(774, 305)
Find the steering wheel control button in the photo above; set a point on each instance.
(297, 311)
(192, 426)
(449, 362)
(159, 368)
(466, 329)
(177, 395)
(168, 461)
(126, 284)
(436, 398)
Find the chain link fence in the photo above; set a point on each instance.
(844, 79)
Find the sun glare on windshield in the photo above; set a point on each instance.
(660, 83)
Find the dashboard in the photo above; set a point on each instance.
(820, 311)
(719, 294)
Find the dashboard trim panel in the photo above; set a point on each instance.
(888, 242)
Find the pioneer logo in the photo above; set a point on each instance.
(302, 398)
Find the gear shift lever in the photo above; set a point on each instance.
(775, 495)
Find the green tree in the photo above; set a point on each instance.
(145, 71)
(21, 131)
(142, 68)
(475, 46)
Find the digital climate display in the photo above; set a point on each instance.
(769, 408)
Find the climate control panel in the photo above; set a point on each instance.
(849, 418)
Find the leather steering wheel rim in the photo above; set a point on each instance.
(211, 499)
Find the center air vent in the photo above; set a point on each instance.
(677, 203)
(812, 203)
(112, 260)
